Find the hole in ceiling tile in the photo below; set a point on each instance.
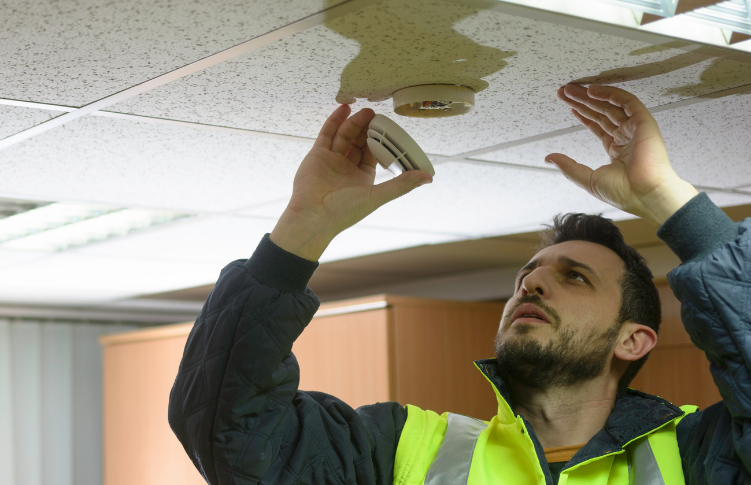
(414, 43)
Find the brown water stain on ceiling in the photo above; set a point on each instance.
(722, 73)
(410, 43)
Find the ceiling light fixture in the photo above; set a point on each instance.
(733, 15)
(663, 8)
(60, 226)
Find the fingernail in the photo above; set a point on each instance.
(424, 181)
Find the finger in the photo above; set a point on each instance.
(579, 93)
(348, 131)
(398, 186)
(588, 113)
(356, 149)
(368, 159)
(579, 174)
(331, 125)
(605, 138)
(629, 103)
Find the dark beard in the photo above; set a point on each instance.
(564, 361)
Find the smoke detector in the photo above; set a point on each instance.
(433, 101)
(394, 149)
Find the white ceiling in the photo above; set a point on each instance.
(73, 53)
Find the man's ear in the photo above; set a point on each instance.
(635, 341)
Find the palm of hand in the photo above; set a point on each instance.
(636, 168)
(339, 189)
(639, 168)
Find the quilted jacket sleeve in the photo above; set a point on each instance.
(714, 287)
(235, 405)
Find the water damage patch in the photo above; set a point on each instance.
(410, 43)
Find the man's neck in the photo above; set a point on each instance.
(565, 416)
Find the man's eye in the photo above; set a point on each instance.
(574, 275)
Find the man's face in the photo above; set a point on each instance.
(560, 326)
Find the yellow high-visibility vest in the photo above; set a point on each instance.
(452, 449)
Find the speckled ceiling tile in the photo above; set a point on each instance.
(291, 86)
(73, 52)
(474, 201)
(14, 119)
(71, 278)
(141, 164)
(709, 143)
(222, 239)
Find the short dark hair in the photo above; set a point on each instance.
(640, 301)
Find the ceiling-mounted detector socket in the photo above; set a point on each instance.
(394, 149)
(433, 101)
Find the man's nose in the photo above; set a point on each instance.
(535, 283)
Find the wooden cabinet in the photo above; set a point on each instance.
(381, 348)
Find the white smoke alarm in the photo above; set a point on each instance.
(433, 101)
(394, 149)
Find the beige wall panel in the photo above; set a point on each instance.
(346, 356)
(435, 348)
(672, 331)
(139, 444)
(680, 375)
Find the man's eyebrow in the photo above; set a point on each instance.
(565, 260)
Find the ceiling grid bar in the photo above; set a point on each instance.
(348, 6)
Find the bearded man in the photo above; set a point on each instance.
(583, 318)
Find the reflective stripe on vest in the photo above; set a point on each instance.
(454, 458)
(645, 468)
(453, 461)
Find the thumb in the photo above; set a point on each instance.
(398, 186)
(579, 174)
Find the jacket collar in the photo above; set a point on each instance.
(635, 414)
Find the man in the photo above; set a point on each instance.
(582, 320)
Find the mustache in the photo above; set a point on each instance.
(555, 319)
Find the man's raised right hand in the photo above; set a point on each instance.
(333, 188)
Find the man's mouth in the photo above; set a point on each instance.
(529, 313)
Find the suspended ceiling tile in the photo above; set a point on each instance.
(125, 163)
(708, 143)
(14, 119)
(361, 240)
(70, 278)
(515, 64)
(729, 200)
(211, 239)
(176, 256)
(9, 258)
(222, 239)
(73, 52)
(476, 200)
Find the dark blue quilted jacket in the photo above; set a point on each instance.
(237, 411)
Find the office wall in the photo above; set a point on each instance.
(51, 402)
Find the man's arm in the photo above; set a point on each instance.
(713, 283)
(714, 286)
(235, 404)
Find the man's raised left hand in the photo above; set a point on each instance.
(639, 178)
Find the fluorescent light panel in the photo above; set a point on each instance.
(60, 226)
(663, 8)
(733, 15)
